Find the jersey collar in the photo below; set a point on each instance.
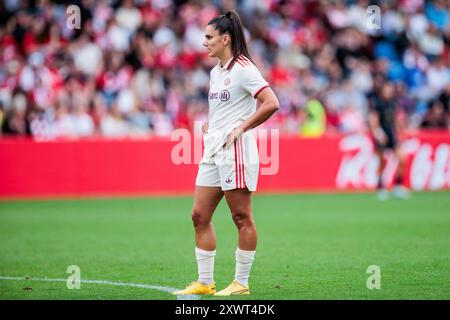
(227, 65)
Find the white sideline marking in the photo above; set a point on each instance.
(112, 283)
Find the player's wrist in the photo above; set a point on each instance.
(242, 128)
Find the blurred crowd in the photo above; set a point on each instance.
(138, 67)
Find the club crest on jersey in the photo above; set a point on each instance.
(227, 81)
(224, 95)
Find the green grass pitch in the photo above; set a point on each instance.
(310, 246)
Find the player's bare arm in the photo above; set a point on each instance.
(268, 106)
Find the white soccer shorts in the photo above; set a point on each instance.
(232, 167)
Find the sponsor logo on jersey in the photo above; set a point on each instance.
(229, 181)
(224, 95)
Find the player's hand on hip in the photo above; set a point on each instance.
(234, 135)
(205, 128)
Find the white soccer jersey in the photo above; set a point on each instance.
(232, 99)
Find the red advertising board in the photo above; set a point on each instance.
(147, 167)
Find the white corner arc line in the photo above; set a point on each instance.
(111, 283)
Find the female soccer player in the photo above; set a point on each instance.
(230, 163)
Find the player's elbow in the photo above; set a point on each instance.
(274, 106)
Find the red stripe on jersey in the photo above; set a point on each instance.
(243, 60)
(247, 59)
(257, 92)
(240, 62)
(242, 57)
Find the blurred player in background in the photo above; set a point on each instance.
(386, 131)
(230, 164)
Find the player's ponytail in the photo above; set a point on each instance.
(231, 23)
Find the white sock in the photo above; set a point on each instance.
(205, 262)
(244, 260)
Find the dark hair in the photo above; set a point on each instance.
(231, 23)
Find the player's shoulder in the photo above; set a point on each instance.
(245, 68)
(243, 63)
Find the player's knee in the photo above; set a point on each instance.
(199, 219)
(242, 220)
